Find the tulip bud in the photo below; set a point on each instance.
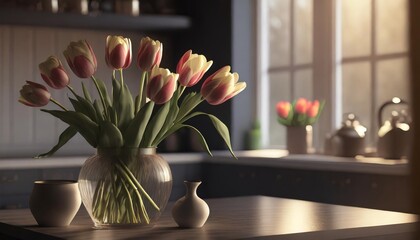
(301, 105)
(150, 54)
(283, 109)
(118, 52)
(191, 68)
(221, 86)
(34, 94)
(53, 73)
(313, 109)
(81, 58)
(161, 85)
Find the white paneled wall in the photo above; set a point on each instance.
(26, 131)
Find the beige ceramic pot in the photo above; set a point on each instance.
(54, 203)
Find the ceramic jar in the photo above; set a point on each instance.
(190, 211)
(299, 139)
(54, 203)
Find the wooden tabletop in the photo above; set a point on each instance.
(235, 218)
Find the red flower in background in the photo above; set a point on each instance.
(283, 109)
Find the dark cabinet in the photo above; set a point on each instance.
(388, 192)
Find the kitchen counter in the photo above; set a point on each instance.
(275, 158)
(384, 184)
(236, 218)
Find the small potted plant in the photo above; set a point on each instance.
(298, 117)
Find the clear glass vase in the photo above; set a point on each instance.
(125, 187)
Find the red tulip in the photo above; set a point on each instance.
(34, 94)
(150, 54)
(221, 86)
(191, 68)
(301, 105)
(53, 73)
(118, 52)
(283, 109)
(313, 109)
(161, 85)
(81, 58)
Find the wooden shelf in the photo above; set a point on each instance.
(102, 21)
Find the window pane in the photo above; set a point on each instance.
(357, 92)
(303, 84)
(303, 25)
(392, 27)
(279, 91)
(356, 27)
(393, 81)
(279, 32)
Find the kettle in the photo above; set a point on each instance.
(394, 135)
(349, 140)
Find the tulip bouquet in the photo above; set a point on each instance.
(119, 120)
(299, 113)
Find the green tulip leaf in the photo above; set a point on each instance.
(188, 104)
(136, 104)
(201, 138)
(283, 121)
(191, 115)
(135, 130)
(113, 115)
(223, 131)
(104, 91)
(86, 93)
(83, 106)
(169, 122)
(221, 128)
(155, 125)
(109, 135)
(65, 136)
(82, 123)
(99, 110)
(122, 104)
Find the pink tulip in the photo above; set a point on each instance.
(191, 68)
(34, 94)
(161, 85)
(283, 109)
(313, 109)
(150, 54)
(221, 86)
(301, 105)
(118, 52)
(81, 59)
(53, 73)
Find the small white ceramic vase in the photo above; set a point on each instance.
(190, 211)
(54, 203)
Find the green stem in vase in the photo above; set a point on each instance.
(137, 184)
(129, 182)
(130, 205)
(121, 77)
(140, 101)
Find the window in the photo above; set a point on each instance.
(288, 72)
(367, 51)
(372, 57)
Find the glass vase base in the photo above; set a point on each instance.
(123, 226)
